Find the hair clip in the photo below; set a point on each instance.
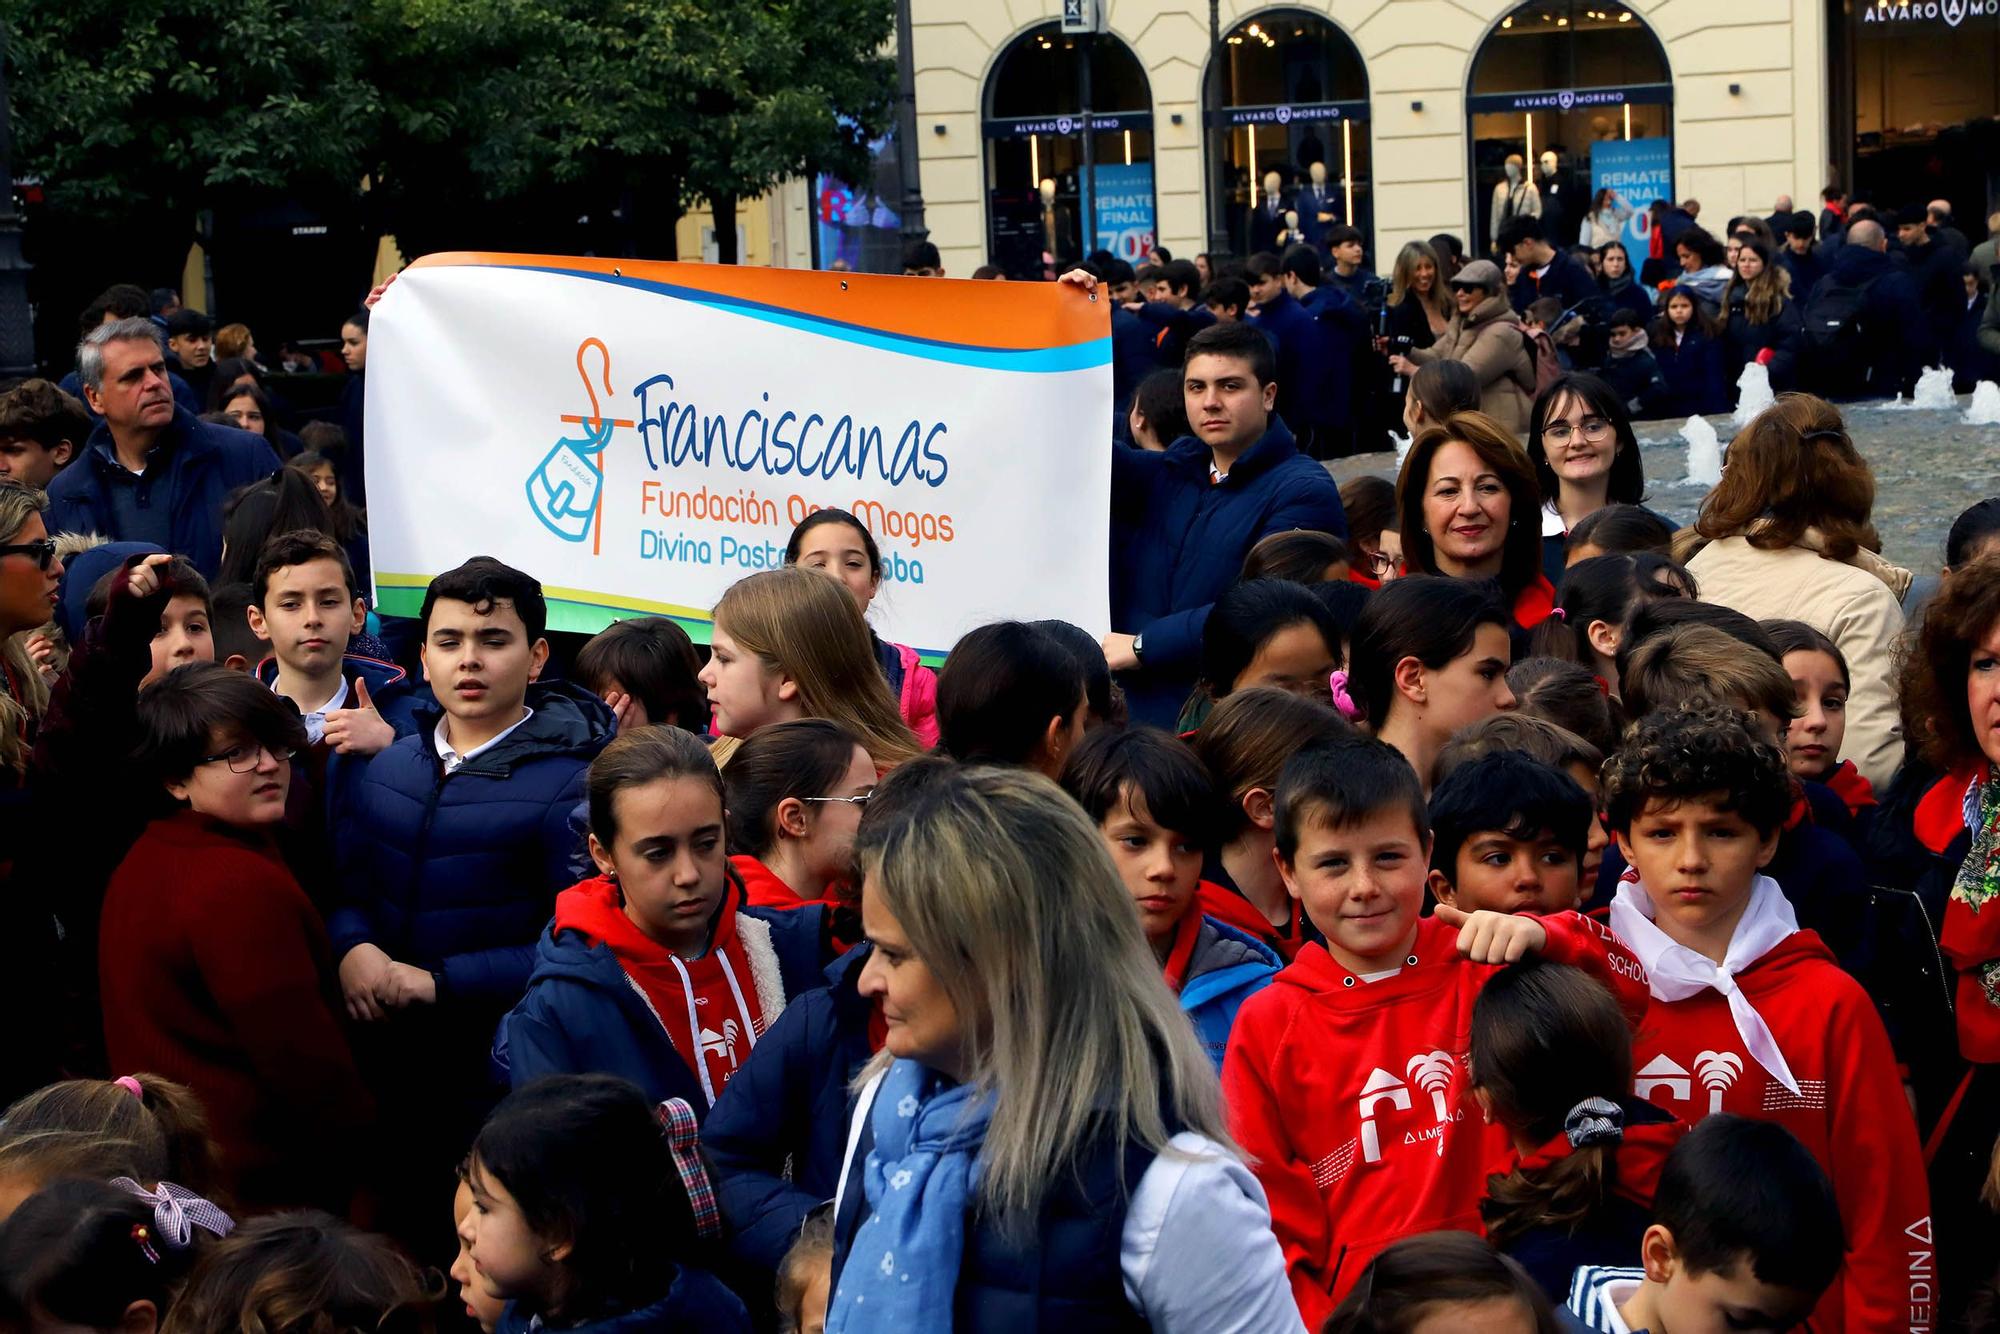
(1559, 614)
(177, 1212)
(144, 1238)
(131, 1086)
(1594, 1121)
(1343, 702)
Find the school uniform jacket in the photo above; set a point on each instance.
(1850, 1111)
(1352, 1102)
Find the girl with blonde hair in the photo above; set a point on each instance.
(1040, 1144)
(791, 644)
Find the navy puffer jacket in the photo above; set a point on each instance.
(1188, 538)
(458, 874)
(776, 1134)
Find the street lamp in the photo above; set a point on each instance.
(906, 130)
(17, 329)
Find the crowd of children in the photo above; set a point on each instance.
(1505, 938)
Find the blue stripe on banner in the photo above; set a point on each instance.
(1032, 361)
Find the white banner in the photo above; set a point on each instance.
(639, 436)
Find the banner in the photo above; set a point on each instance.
(1125, 209)
(1638, 171)
(639, 436)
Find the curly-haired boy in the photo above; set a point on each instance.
(1750, 1014)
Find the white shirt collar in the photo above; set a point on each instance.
(316, 720)
(1552, 521)
(452, 759)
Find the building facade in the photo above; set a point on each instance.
(1039, 141)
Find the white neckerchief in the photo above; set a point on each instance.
(1676, 972)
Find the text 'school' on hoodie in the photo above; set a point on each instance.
(1352, 1098)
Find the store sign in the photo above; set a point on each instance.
(1288, 114)
(1124, 209)
(1098, 121)
(1637, 171)
(1568, 99)
(1950, 13)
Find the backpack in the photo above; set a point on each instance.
(1834, 355)
(1542, 353)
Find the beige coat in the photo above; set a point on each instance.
(1857, 605)
(1489, 341)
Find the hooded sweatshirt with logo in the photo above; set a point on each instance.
(1351, 1099)
(1692, 1059)
(606, 997)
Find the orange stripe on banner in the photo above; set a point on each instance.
(1007, 316)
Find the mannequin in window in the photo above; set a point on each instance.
(1267, 222)
(1513, 197)
(1559, 223)
(1315, 205)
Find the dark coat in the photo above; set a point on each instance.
(1313, 364)
(1189, 538)
(1694, 376)
(1745, 340)
(697, 1300)
(458, 874)
(1805, 269)
(775, 1136)
(1567, 280)
(1636, 380)
(582, 1014)
(203, 464)
(1893, 331)
(1628, 295)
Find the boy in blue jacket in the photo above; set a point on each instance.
(452, 843)
(1157, 808)
(1195, 511)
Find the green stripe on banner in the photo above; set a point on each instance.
(573, 611)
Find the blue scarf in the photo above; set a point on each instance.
(902, 1268)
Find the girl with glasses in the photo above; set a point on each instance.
(657, 969)
(213, 966)
(1586, 456)
(796, 792)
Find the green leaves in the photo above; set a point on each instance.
(456, 111)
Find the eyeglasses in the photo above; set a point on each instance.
(861, 801)
(243, 759)
(43, 551)
(1593, 428)
(1381, 562)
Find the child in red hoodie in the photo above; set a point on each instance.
(657, 970)
(1345, 1079)
(1750, 1014)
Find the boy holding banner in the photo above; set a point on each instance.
(1193, 513)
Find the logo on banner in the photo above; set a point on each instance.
(1953, 12)
(1064, 124)
(1565, 99)
(1284, 115)
(566, 491)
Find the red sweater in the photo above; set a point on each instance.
(215, 972)
(1850, 1112)
(1227, 906)
(720, 986)
(1351, 1099)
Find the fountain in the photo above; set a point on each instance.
(1985, 408)
(1704, 452)
(1934, 390)
(1753, 393)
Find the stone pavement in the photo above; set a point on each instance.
(1929, 465)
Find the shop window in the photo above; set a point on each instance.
(1287, 118)
(1069, 153)
(1576, 95)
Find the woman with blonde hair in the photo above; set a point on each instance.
(1763, 323)
(30, 574)
(789, 644)
(1786, 535)
(1040, 1144)
(1419, 306)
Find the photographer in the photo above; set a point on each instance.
(1485, 335)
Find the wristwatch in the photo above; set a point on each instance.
(1139, 647)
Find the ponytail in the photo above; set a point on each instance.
(1552, 1052)
(140, 1126)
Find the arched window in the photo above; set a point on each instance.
(1287, 97)
(1061, 181)
(1576, 95)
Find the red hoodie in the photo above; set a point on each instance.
(708, 1004)
(1848, 784)
(1350, 1098)
(1225, 905)
(1850, 1111)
